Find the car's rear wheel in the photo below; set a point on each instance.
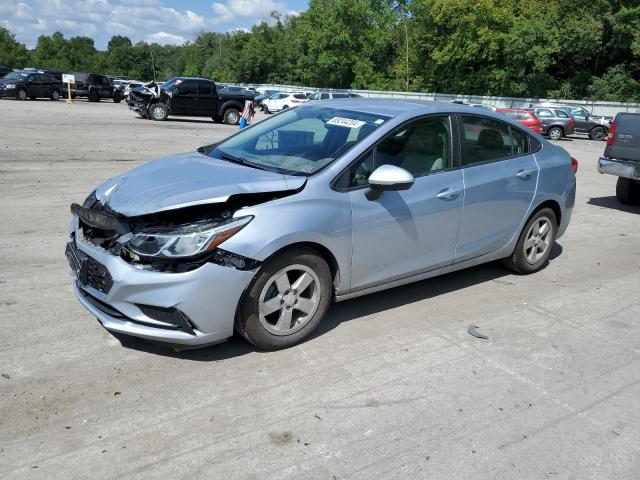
(231, 116)
(55, 95)
(286, 300)
(158, 112)
(555, 133)
(628, 191)
(598, 133)
(535, 243)
(93, 96)
(21, 94)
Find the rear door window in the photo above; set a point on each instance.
(324, 96)
(544, 113)
(205, 88)
(300, 96)
(484, 140)
(561, 114)
(340, 95)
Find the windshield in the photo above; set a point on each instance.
(299, 141)
(16, 76)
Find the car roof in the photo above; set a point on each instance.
(397, 108)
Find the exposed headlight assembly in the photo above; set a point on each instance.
(187, 241)
(10, 85)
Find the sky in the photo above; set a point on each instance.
(161, 21)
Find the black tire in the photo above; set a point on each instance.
(248, 322)
(598, 133)
(94, 96)
(55, 95)
(231, 116)
(21, 94)
(555, 133)
(32, 98)
(216, 120)
(518, 261)
(628, 191)
(158, 112)
(117, 97)
(285, 107)
(265, 109)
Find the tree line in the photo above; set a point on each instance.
(524, 48)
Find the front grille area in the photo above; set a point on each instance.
(98, 276)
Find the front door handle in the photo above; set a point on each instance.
(524, 173)
(447, 193)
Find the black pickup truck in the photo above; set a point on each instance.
(622, 157)
(190, 97)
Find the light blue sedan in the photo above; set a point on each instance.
(323, 202)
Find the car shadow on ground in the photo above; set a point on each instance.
(613, 203)
(345, 311)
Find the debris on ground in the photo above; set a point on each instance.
(473, 330)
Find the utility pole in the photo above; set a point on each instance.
(153, 66)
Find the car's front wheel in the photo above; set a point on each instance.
(94, 96)
(21, 94)
(535, 243)
(158, 112)
(598, 133)
(286, 300)
(55, 95)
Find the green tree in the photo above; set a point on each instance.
(12, 53)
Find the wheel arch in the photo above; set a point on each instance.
(321, 250)
(553, 205)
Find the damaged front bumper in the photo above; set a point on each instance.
(194, 308)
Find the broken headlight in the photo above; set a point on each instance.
(186, 241)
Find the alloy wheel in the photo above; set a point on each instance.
(598, 133)
(289, 300)
(555, 134)
(22, 94)
(537, 242)
(157, 112)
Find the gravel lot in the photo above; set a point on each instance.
(391, 386)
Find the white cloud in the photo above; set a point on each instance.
(234, 10)
(164, 38)
(140, 20)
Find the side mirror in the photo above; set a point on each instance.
(390, 178)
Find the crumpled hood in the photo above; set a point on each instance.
(184, 180)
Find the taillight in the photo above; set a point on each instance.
(612, 133)
(572, 123)
(574, 165)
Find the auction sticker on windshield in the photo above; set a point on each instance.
(346, 122)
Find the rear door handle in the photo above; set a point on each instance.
(524, 173)
(447, 193)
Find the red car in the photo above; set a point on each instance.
(526, 118)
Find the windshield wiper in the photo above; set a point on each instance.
(241, 161)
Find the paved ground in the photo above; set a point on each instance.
(392, 386)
